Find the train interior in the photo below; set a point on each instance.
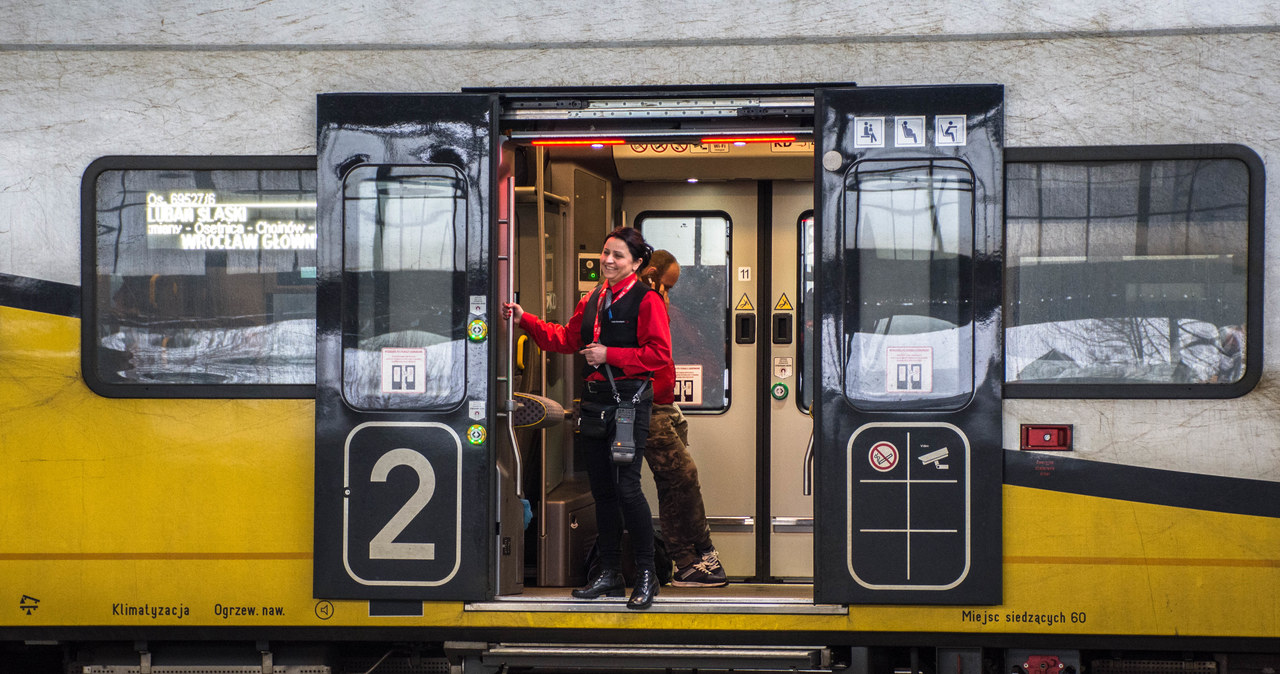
(732, 199)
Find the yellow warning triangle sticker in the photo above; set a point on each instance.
(783, 304)
(744, 304)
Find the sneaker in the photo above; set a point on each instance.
(706, 572)
(712, 558)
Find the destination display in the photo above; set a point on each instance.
(200, 220)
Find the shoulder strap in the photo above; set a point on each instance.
(617, 398)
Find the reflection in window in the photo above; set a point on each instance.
(205, 277)
(1126, 271)
(908, 237)
(699, 332)
(404, 312)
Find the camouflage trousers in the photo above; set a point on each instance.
(680, 509)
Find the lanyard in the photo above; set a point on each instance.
(600, 306)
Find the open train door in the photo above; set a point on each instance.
(404, 403)
(909, 454)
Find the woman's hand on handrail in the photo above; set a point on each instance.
(511, 309)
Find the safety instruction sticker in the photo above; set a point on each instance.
(908, 369)
(689, 384)
(744, 304)
(783, 304)
(404, 370)
(783, 367)
(949, 130)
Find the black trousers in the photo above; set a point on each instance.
(616, 488)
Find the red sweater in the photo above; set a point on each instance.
(664, 385)
(653, 333)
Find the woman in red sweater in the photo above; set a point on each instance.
(620, 329)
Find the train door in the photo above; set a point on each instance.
(909, 361)
(733, 320)
(404, 401)
(714, 229)
(707, 176)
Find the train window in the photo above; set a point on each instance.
(805, 399)
(1132, 277)
(699, 327)
(404, 310)
(199, 276)
(908, 236)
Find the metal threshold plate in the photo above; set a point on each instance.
(737, 598)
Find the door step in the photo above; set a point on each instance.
(483, 658)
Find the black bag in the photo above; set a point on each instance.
(595, 419)
(598, 421)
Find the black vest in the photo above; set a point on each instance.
(619, 322)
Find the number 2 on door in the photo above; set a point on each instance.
(384, 546)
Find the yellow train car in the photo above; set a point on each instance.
(956, 406)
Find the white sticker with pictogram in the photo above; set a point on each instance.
(868, 131)
(908, 369)
(908, 131)
(689, 385)
(403, 370)
(783, 367)
(949, 130)
(883, 456)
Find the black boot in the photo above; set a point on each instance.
(608, 583)
(645, 590)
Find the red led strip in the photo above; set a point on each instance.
(579, 141)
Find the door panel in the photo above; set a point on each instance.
(790, 425)
(404, 406)
(722, 441)
(909, 454)
(725, 437)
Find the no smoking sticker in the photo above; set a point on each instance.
(883, 456)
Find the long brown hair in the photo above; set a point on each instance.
(657, 268)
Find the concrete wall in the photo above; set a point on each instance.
(117, 77)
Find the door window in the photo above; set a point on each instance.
(699, 327)
(404, 309)
(908, 241)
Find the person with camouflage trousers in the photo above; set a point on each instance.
(680, 507)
